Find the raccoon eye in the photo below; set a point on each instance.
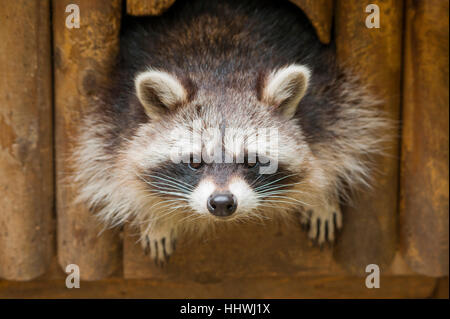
(252, 165)
(195, 166)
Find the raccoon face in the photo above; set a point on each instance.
(223, 156)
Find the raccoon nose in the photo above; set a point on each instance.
(222, 204)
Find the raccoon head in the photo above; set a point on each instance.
(223, 152)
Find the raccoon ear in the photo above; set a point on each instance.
(284, 88)
(159, 92)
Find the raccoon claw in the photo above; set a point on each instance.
(304, 218)
(159, 247)
(146, 245)
(323, 222)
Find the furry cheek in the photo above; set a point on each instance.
(247, 200)
(199, 196)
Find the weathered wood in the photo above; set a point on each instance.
(82, 59)
(441, 289)
(369, 233)
(260, 287)
(424, 179)
(243, 251)
(148, 7)
(236, 251)
(26, 157)
(320, 13)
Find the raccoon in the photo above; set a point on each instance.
(232, 68)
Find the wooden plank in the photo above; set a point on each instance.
(26, 157)
(424, 206)
(441, 289)
(243, 252)
(267, 287)
(148, 7)
(320, 13)
(369, 233)
(82, 59)
(234, 251)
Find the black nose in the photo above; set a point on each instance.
(222, 204)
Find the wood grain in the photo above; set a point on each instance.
(242, 251)
(148, 7)
(82, 59)
(424, 198)
(320, 13)
(26, 157)
(336, 287)
(238, 251)
(375, 55)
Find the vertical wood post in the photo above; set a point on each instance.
(82, 58)
(369, 233)
(26, 157)
(424, 179)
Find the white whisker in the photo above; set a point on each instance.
(275, 181)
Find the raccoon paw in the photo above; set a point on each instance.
(160, 245)
(323, 222)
